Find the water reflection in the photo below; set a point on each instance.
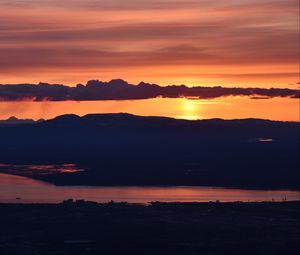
(16, 189)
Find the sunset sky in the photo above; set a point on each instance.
(195, 42)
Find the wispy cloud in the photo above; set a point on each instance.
(114, 35)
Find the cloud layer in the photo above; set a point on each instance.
(189, 40)
(121, 90)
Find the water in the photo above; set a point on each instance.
(16, 189)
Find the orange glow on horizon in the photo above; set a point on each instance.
(284, 109)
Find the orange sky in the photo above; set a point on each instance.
(284, 109)
(195, 42)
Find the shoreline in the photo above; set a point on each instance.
(83, 202)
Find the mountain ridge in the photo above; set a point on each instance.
(124, 149)
(15, 120)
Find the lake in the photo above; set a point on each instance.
(17, 189)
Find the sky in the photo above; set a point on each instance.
(192, 42)
(282, 109)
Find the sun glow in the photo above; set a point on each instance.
(285, 109)
(190, 109)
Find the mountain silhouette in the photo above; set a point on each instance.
(15, 121)
(124, 149)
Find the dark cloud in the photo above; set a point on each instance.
(121, 90)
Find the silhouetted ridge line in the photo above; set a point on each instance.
(15, 121)
(123, 118)
(124, 149)
(118, 89)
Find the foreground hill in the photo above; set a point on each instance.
(123, 149)
(160, 228)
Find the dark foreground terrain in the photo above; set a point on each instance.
(160, 228)
(124, 149)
